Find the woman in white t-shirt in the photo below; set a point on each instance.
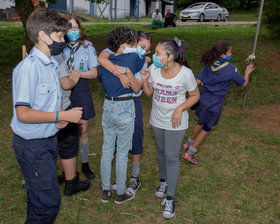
(168, 80)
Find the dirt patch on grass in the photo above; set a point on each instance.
(265, 117)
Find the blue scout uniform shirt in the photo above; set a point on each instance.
(137, 75)
(36, 85)
(112, 85)
(85, 58)
(217, 79)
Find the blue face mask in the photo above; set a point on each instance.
(222, 60)
(140, 51)
(227, 58)
(73, 35)
(156, 61)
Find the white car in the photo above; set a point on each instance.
(202, 11)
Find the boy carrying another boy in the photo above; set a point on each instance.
(38, 114)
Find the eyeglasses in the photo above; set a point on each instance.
(75, 28)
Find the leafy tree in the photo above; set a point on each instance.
(271, 18)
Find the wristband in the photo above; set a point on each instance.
(56, 118)
(125, 70)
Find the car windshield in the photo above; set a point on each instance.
(196, 6)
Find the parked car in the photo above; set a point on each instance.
(225, 15)
(202, 11)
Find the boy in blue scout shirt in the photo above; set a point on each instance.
(37, 114)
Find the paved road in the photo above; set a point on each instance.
(181, 23)
(148, 23)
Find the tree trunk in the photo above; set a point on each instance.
(24, 8)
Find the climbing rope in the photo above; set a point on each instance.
(252, 56)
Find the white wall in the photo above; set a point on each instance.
(6, 4)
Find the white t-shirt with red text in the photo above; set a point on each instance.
(168, 95)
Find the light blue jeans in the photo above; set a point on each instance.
(118, 122)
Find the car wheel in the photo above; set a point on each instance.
(201, 18)
(219, 18)
(183, 20)
(226, 19)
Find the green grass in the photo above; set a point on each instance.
(237, 180)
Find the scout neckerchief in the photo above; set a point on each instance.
(219, 64)
(73, 48)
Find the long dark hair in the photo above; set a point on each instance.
(211, 55)
(177, 48)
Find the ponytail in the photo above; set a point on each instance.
(211, 55)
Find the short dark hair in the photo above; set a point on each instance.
(177, 48)
(211, 55)
(47, 20)
(119, 36)
(142, 34)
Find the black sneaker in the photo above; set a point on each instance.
(133, 185)
(124, 198)
(169, 209)
(87, 171)
(75, 185)
(106, 195)
(161, 191)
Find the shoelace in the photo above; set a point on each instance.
(162, 187)
(168, 205)
(133, 184)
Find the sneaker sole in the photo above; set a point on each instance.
(168, 216)
(132, 191)
(121, 202)
(104, 201)
(160, 195)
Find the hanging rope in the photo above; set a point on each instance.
(252, 56)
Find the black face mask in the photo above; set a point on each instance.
(56, 48)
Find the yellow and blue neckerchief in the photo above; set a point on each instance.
(73, 48)
(219, 64)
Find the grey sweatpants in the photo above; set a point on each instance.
(169, 146)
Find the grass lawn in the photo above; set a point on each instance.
(237, 179)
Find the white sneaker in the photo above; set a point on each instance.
(169, 209)
(161, 191)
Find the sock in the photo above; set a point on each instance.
(84, 152)
(192, 150)
(135, 169)
(190, 141)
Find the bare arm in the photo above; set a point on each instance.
(147, 87)
(70, 81)
(198, 81)
(91, 74)
(28, 115)
(135, 84)
(177, 114)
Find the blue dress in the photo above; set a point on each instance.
(85, 58)
(216, 82)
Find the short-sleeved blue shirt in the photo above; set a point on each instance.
(36, 85)
(111, 84)
(137, 75)
(217, 79)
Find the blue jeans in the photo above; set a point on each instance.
(117, 121)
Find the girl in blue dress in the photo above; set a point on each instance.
(215, 76)
(81, 56)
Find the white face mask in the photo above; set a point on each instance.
(127, 50)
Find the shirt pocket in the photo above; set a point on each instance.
(47, 96)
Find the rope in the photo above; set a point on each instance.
(252, 56)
